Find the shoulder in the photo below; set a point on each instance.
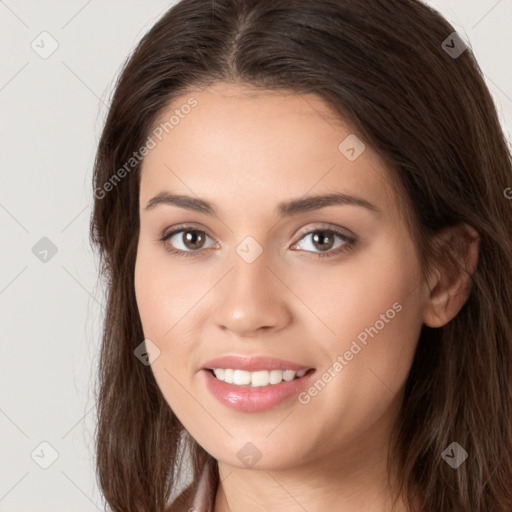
(199, 496)
(183, 502)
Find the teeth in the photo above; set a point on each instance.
(256, 379)
(241, 377)
(288, 375)
(275, 376)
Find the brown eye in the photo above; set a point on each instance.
(323, 241)
(186, 241)
(192, 239)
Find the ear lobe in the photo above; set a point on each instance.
(451, 285)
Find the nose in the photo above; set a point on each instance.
(252, 298)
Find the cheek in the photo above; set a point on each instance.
(372, 308)
(162, 295)
(168, 299)
(162, 303)
(352, 296)
(148, 293)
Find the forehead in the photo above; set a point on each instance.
(259, 143)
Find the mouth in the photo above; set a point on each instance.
(259, 390)
(255, 383)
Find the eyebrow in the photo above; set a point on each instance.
(283, 209)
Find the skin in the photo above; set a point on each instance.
(246, 151)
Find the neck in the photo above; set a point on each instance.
(355, 479)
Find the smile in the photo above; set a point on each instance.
(258, 378)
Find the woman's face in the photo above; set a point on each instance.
(263, 277)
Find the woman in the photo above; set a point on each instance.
(301, 212)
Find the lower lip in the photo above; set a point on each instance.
(261, 398)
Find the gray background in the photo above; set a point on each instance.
(52, 114)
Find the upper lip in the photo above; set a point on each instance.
(250, 363)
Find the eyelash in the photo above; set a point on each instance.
(347, 246)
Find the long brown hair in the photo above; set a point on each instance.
(381, 65)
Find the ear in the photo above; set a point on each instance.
(449, 285)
